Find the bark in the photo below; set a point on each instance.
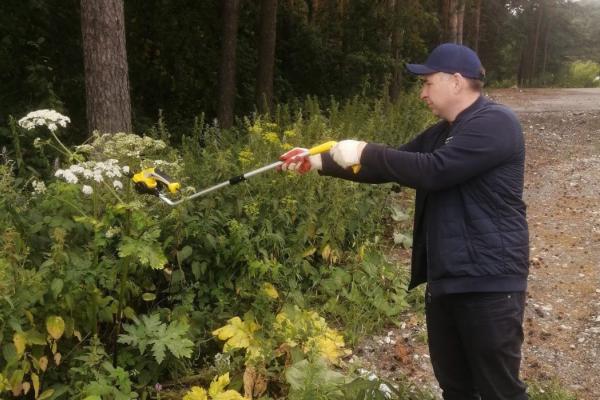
(230, 15)
(453, 21)
(546, 35)
(476, 25)
(313, 10)
(445, 20)
(266, 55)
(396, 45)
(536, 41)
(460, 18)
(108, 105)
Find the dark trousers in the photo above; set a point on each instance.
(475, 344)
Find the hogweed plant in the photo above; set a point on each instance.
(52, 120)
(95, 241)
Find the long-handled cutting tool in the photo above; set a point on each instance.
(153, 181)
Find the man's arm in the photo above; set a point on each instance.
(484, 142)
(374, 175)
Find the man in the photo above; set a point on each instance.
(470, 239)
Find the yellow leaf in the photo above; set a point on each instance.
(237, 333)
(54, 347)
(326, 252)
(309, 252)
(57, 358)
(19, 341)
(197, 393)
(4, 383)
(43, 361)
(229, 395)
(77, 334)
(29, 316)
(218, 384)
(55, 326)
(269, 290)
(26, 386)
(330, 345)
(36, 384)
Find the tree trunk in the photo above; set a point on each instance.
(453, 22)
(396, 45)
(266, 55)
(108, 105)
(546, 34)
(460, 18)
(313, 10)
(536, 40)
(445, 20)
(230, 16)
(476, 24)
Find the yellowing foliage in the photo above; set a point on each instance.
(216, 391)
(55, 326)
(236, 333)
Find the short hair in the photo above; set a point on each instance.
(477, 84)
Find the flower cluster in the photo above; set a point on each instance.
(39, 187)
(48, 118)
(123, 145)
(97, 171)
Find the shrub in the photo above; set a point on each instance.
(583, 74)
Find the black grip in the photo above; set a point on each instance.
(237, 179)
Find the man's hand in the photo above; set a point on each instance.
(347, 152)
(298, 160)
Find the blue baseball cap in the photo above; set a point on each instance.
(450, 58)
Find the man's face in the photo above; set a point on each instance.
(438, 91)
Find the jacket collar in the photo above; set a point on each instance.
(477, 104)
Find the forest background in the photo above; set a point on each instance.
(106, 294)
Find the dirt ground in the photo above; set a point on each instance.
(562, 191)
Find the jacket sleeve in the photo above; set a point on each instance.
(367, 174)
(483, 142)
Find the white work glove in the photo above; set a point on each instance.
(347, 153)
(294, 161)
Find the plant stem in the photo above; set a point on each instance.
(68, 152)
(124, 273)
(16, 143)
(71, 204)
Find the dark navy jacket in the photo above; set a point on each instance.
(470, 229)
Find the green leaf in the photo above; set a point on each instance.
(177, 276)
(150, 331)
(56, 286)
(35, 337)
(314, 377)
(184, 253)
(148, 254)
(9, 351)
(148, 297)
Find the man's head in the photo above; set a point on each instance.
(453, 79)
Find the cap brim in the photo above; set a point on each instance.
(419, 69)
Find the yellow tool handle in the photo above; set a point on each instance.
(324, 147)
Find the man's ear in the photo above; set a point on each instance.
(458, 82)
